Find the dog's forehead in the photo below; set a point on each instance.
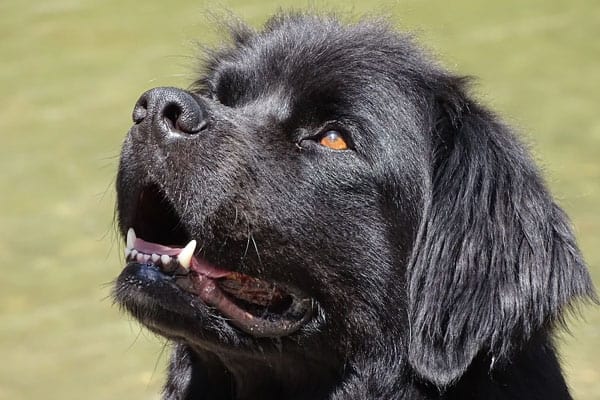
(308, 62)
(269, 69)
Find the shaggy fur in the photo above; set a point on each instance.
(438, 262)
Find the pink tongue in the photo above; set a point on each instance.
(200, 266)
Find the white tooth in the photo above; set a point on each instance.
(134, 253)
(140, 257)
(127, 253)
(131, 238)
(185, 257)
(165, 259)
(146, 258)
(155, 257)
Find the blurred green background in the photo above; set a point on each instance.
(70, 72)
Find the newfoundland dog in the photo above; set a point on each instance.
(327, 214)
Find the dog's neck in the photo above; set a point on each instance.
(198, 374)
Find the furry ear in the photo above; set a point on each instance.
(495, 259)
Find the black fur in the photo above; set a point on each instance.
(439, 263)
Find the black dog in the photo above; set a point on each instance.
(355, 227)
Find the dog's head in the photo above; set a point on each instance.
(325, 191)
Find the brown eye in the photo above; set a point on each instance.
(334, 140)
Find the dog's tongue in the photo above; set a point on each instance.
(200, 266)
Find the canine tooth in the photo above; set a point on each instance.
(131, 238)
(134, 253)
(165, 259)
(185, 257)
(155, 257)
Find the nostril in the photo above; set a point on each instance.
(183, 120)
(140, 110)
(171, 114)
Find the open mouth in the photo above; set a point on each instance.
(255, 306)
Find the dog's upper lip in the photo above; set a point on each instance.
(198, 265)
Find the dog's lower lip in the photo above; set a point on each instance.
(256, 307)
(266, 325)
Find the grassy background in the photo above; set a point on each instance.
(70, 72)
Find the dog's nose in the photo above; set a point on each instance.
(167, 111)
